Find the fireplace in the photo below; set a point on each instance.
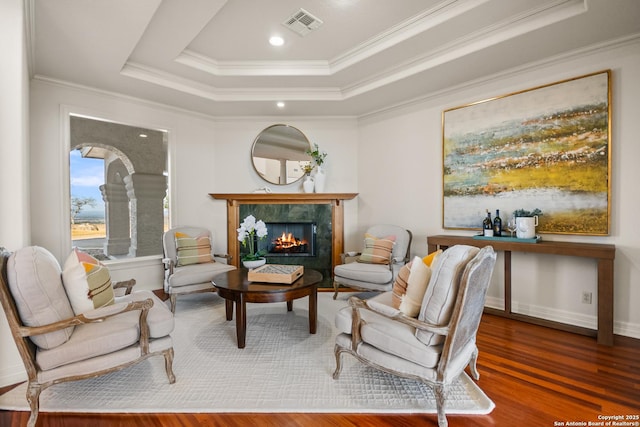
(326, 210)
(290, 239)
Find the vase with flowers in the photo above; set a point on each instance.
(249, 233)
(318, 158)
(308, 183)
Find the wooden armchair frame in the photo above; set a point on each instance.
(27, 349)
(391, 262)
(459, 333)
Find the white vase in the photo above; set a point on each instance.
(254, 263)
(320, 178)
(526, 227)
(308, 184)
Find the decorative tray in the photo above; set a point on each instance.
(508, 239)
(276, 273)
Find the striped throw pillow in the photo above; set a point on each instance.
(400, 285)
(87, 282)
(192, 250)
(377, 251)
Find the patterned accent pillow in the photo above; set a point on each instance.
(402, 280)
(192, 250)
(400, 285)
(377, 250)
(87, 282)
(416, 287)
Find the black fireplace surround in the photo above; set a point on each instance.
(289, 239)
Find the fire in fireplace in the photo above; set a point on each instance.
(291, 239)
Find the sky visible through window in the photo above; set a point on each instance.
(86, 177)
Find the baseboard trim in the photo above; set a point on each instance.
(577, 322)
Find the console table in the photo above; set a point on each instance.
(604, 254)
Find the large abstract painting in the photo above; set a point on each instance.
(546, 148)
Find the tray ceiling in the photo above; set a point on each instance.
(361, 56)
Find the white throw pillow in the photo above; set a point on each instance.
(34, 281)
(416, 287)
(87, 282)
(440, 297)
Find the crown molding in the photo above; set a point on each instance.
(395, 35)
(471, 43)
(507, 29)
(605, 47)
(161, 78)
(443, 12)
(253, 68)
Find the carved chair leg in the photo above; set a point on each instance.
(440, 398)
(172, 300)
(473, 365)
(336, 285)
(338, 353)
(168, 365)
(33, 397)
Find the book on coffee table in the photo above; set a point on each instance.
(276, 273)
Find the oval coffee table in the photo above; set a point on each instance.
(234, 286)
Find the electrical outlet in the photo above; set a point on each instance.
(586, 297)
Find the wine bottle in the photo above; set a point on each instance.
(497, 224)
(487, 225)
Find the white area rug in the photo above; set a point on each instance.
(282, 369)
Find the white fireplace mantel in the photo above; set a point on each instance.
(234, 200)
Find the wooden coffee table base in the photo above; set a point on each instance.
(233, 286)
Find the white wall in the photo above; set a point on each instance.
(546, 286)
(14, 159)
(233, 171)
(206, 156)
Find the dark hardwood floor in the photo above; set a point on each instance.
(536, 376)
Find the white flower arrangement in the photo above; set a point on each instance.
(248, 229)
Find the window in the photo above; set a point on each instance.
(118, 188)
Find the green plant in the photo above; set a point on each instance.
(317, 156)
(523, 212)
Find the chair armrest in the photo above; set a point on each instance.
(350, 254)
(92, 316)
(169, 264)
(226, 257)
(126, 284)
(393, 314)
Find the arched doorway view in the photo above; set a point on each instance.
(118, 188)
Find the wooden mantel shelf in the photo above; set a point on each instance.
(248, 198)
(234, 200)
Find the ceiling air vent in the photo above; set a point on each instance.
(302, 22)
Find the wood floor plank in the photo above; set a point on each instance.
(535, 375)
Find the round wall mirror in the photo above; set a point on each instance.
(278, 154)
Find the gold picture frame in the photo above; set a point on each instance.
(546, 148)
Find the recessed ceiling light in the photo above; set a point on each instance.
(276, 41)
(280, 104)
(143, 135)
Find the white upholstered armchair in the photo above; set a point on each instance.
(190, 262)
(58, 345)
(440, 343)
(386, 250)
